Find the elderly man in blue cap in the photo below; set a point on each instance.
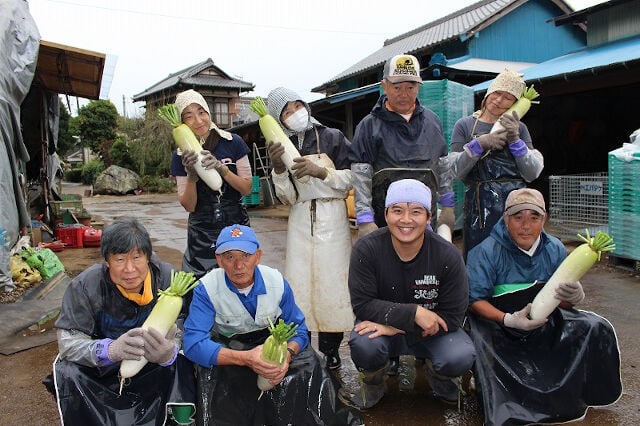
(409, 294)
(227, 325)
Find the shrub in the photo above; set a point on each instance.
(156, 184)
(91, 170)
(73, 175)
(120, 155)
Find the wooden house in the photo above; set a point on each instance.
(220, 90)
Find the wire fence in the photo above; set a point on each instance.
(578, 202)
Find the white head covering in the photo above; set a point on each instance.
(278, 99)
(188, 97)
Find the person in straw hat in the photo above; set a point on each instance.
(492, 164)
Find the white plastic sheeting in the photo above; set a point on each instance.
(19, 40)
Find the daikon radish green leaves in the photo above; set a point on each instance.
(572, 269)
(274, 349)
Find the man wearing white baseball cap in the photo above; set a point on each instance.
(409, 293)
(398, 133)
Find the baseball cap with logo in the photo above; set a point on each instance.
(237, 237)
(524, 199)
(402, 68)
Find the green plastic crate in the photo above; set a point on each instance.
(251, 200)
(255, 183)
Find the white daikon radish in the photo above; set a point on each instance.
(162, 317)
(521, 106)
(274, 349)
(571, 269)
(272, 132)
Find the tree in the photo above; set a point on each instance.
(66, 141)
(97, 122)
(120, 155)
(149, 144)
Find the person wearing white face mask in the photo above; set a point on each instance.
(319, 236)
(298, 120)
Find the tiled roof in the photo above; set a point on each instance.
(463, 23)
(189, 77)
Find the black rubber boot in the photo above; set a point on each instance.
(329, 345)
(373, 386)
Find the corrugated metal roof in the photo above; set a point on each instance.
(486, 65)
(457, 24)
(588, 59)
(349, 94)
(189, 77)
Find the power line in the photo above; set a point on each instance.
(243, 24)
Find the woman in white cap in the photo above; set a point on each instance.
(318, 236)
(209, 211)
(492, 164)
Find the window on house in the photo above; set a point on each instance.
(221, 113)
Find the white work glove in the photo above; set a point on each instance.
(209, 161)
(521, 321)
(306, 167)
(128, 346)
(447, 217)
(366, 228)
(189, 159)
(157, 348)
(511, 122)
(495, 140)
(275, 151)
(570, 292)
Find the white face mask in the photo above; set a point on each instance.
(298, 120)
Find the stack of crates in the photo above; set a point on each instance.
(450, 101)
(624, 203)
(62, 210)
(253, 199)
(578, 202)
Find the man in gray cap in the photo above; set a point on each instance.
(545, 370)
(409, 294)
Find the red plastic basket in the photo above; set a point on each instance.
(70, 236)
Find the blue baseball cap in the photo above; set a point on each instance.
(237, 237)
(408, 191)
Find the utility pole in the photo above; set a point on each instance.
(124, 107)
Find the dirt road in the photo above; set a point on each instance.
(611, 292)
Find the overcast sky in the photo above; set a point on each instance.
(299, 44)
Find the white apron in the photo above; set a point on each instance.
(319, 246)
